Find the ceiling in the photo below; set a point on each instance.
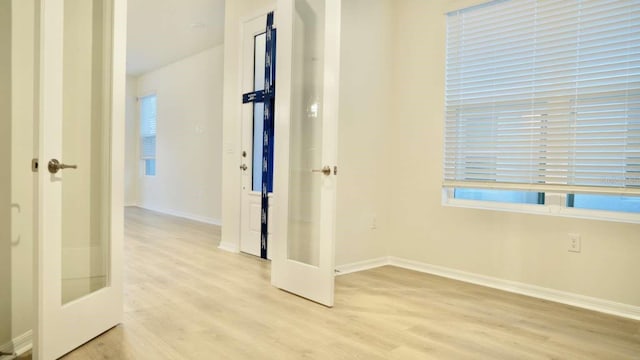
(161, 32)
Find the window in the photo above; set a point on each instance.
(604, 202)
(505, 196)
(148, 134)
(544, 97)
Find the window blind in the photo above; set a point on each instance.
(148, 127)
(544, 95)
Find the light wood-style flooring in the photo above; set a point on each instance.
(185, 299)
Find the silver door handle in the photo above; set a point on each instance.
(243, 167)
(55, 166)
(325, 170)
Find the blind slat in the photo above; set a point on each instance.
(544, 94)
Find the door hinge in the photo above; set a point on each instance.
(34, 165)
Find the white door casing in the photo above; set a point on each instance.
(253, 52)
(79, 227)
(306, 125)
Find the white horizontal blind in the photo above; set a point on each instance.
(148, 127)
(544, 95)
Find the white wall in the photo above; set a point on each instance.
(131, 158)
(525, 248)
(17, 182)
(24, 148)
(189, 137)
(5, 177)
(365, 110)
(236, 12)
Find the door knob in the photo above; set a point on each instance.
(325, 170)
(55, 166)
(243, 167)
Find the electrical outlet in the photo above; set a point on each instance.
(374, 223)
(575, 243)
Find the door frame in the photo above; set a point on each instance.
(59, 328)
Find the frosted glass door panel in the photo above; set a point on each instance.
(86, 139)
(305, 140)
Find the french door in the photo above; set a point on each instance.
(306, 124)
(79, 226)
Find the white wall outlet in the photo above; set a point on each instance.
(575, 243)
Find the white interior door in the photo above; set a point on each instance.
(81, 115)
(253, 57)
(306, 126)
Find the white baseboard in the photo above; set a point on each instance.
(23, 343)
(361, 266)
(563, 297)
(184, 215)
(18, 345)
(228, 246)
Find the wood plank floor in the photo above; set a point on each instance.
(185, 299)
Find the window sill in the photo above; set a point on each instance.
(552, 209)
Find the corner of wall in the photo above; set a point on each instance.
(19, 345)
(189, 141)
(131, 182)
